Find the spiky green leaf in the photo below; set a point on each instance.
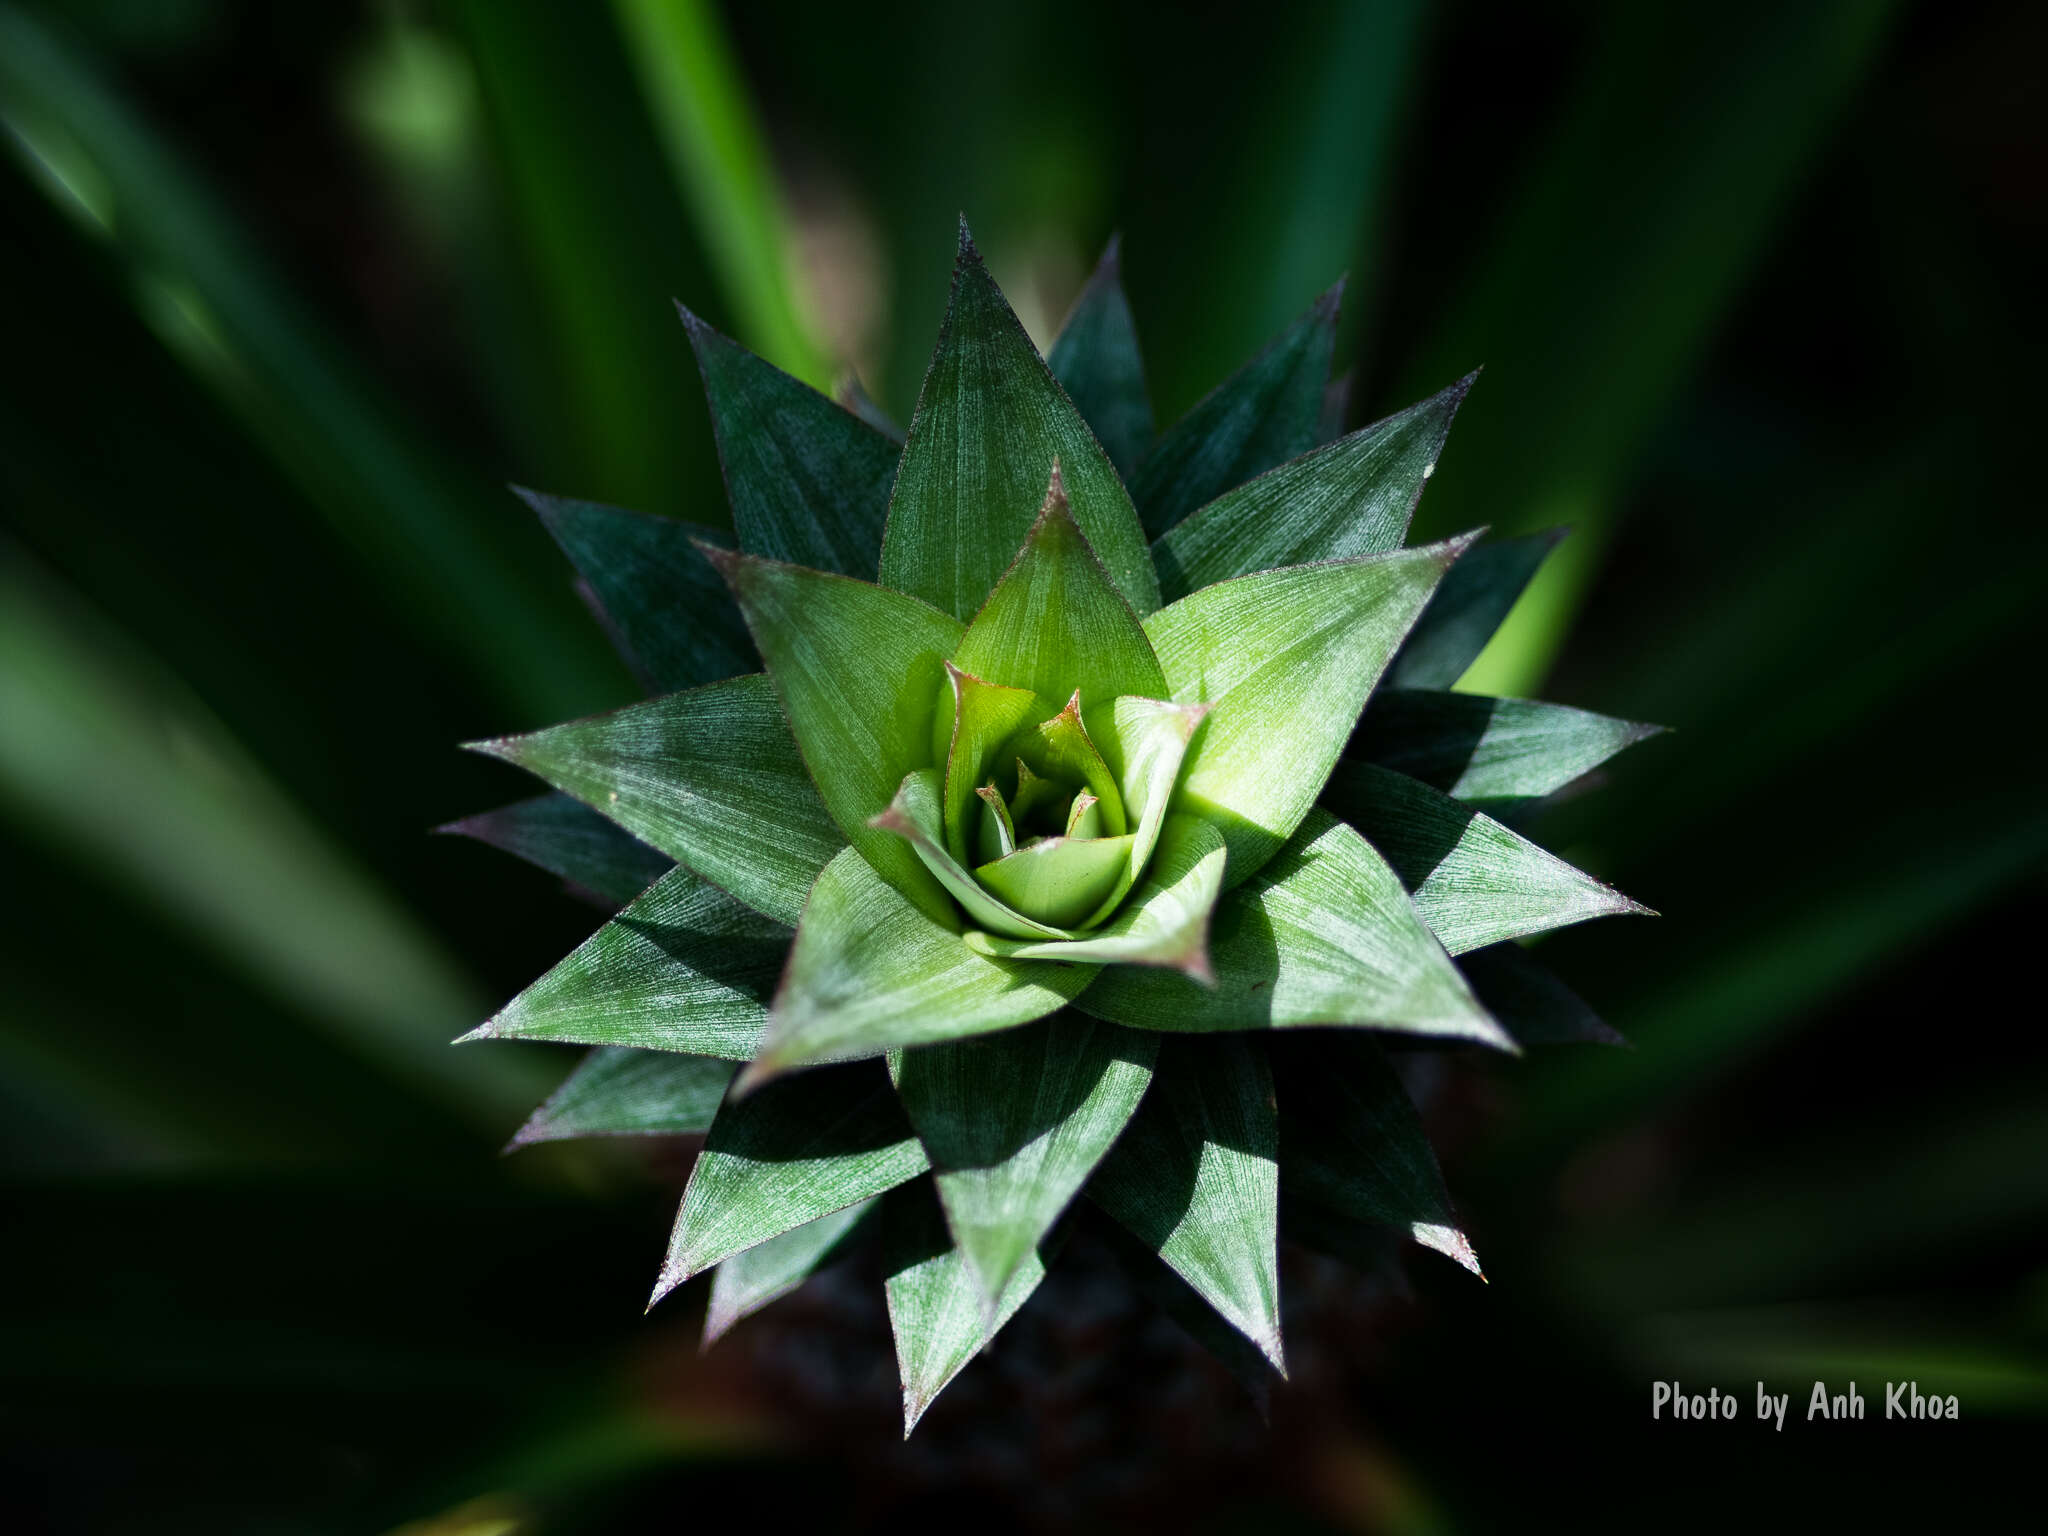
(566, 837)
(618, 1091)
(710, 777)
(754, 1277)
(1488, 750)
(1097, 362)
(1472, 601)
(1532, 1003)
(990, 421)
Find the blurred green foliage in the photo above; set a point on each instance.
(295, 290)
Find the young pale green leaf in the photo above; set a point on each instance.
(1063, 753)
(1482, 749)
(710, 777)
(1059, 880)
(797, 1150)
(859, 669)
(1196, 1178)
(617, 1091)
(1474, 881)
(1144, 742)
(1352, 1147)
(685, 968)
(1286, 660)
(990, 421)
(1016, 1122)
(1172, 1295)
(1323, 934)
(1470, 604)
(870, 972)
(1056, 624)
(937, 1311)
(985, 715)
(1165, 922)
(754, 1277)
(1353, 497)
(1530, 1001)
(1097, 362)
(566, 837)
(809, 481)
(664, 608)
(1264, 414)
(914, 816)
(996, 838)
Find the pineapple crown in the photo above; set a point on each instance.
(1089, 766)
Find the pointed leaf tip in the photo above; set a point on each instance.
(1448, 1241)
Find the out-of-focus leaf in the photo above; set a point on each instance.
(1351, 497)
(1097, 361)
(1484, 749)
(914, 816)
(852, 395)
(794, 1151)
(1015, 1123)
(859, 669)
(719, 157)
(1285, 660)
(870, 972)
(1262, 415)
(937, 1311)
(710, 777)
(1530, 1001)
(990, 422)
(1470, 604)
(808, 481)
(1323, 934)
(685, 968)
(1474, 881)
(1196, 1178)
(616, 1091)
(664, 607)
(767, 1272)
(566, 837)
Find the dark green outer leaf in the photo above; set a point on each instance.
(616, 1091)
(1097, 361)
(1014, 1124)
(1266, 413)
(1352, 497)
(990, 421)
(1482, 749)
(663, 606)
(566, 837)
(1530, 1001)
(1352, 1146)
(1181, 1302)
(1470, 604)
(685, 968)
(755, 1277)
(1474, 881)
(794, 1151)
(808, 480)
(710, 777)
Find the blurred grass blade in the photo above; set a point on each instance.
(767, 1272)
(717, 154)
(1470, 604)
(566, 837)
(617, 1091)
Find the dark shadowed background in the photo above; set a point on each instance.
(291, 292)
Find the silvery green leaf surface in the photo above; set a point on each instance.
(1484, 749)
(618, 1091)
(710, 777)
(1060, 880)
(1196, 1178)
(1165, 922)
(1351, 497)
(1530, 1000)
(663, 606)
(914, 815)
(1056, 624)
(937, 1311)
(860, 670)
(1014, 1124)
(1266, 413)
(870, 972)
(808, 480)
(1097, 361)
(1474, 881)
(1470, 604)
(1323, 934)
(990, 421)
(566, 837)
(795, 1150)
(684, 968)
(1285, 660)
(754, 1277)
(984, 716)
(1352, 1146)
